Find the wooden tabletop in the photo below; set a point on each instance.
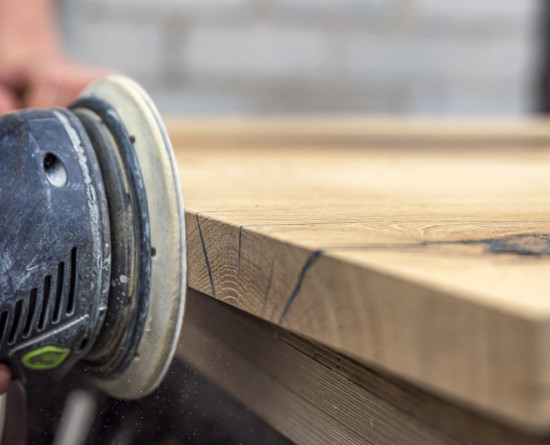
(419, 247)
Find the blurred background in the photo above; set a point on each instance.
(320, 56)
(266, 57)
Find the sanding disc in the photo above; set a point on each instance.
(166, 218)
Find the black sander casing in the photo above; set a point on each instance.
(92, 246)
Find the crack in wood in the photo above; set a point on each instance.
(240, 245)
(307, 265)
(268, 287)
(209, 269)
(522, 244)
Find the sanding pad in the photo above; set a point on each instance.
(168, 250)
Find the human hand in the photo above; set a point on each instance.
(51, 83)
(34, 71)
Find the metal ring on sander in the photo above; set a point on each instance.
(123, 106)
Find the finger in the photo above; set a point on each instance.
(40, 96)
(13, 78)
(8, 101)
(60, 84)
(42, 89)
(74, 79)
(69, 87)
(5, 378)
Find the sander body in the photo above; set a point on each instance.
(92, 243)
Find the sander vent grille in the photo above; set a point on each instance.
(30, 315)
(3, 323)
(16, 318)
(36, 312)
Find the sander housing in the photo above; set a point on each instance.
(92, 246)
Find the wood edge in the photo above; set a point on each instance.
(533, 416)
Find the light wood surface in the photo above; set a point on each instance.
(419, 249)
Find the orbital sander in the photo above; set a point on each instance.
(92, 244)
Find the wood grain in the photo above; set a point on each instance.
(422, 250)
(314, 395)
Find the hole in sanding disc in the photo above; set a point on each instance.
(55, 170)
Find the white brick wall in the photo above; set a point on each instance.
(276, 56)
(258, 50)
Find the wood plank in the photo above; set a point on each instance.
(315, 395)
(357, 130)
(429, 260)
